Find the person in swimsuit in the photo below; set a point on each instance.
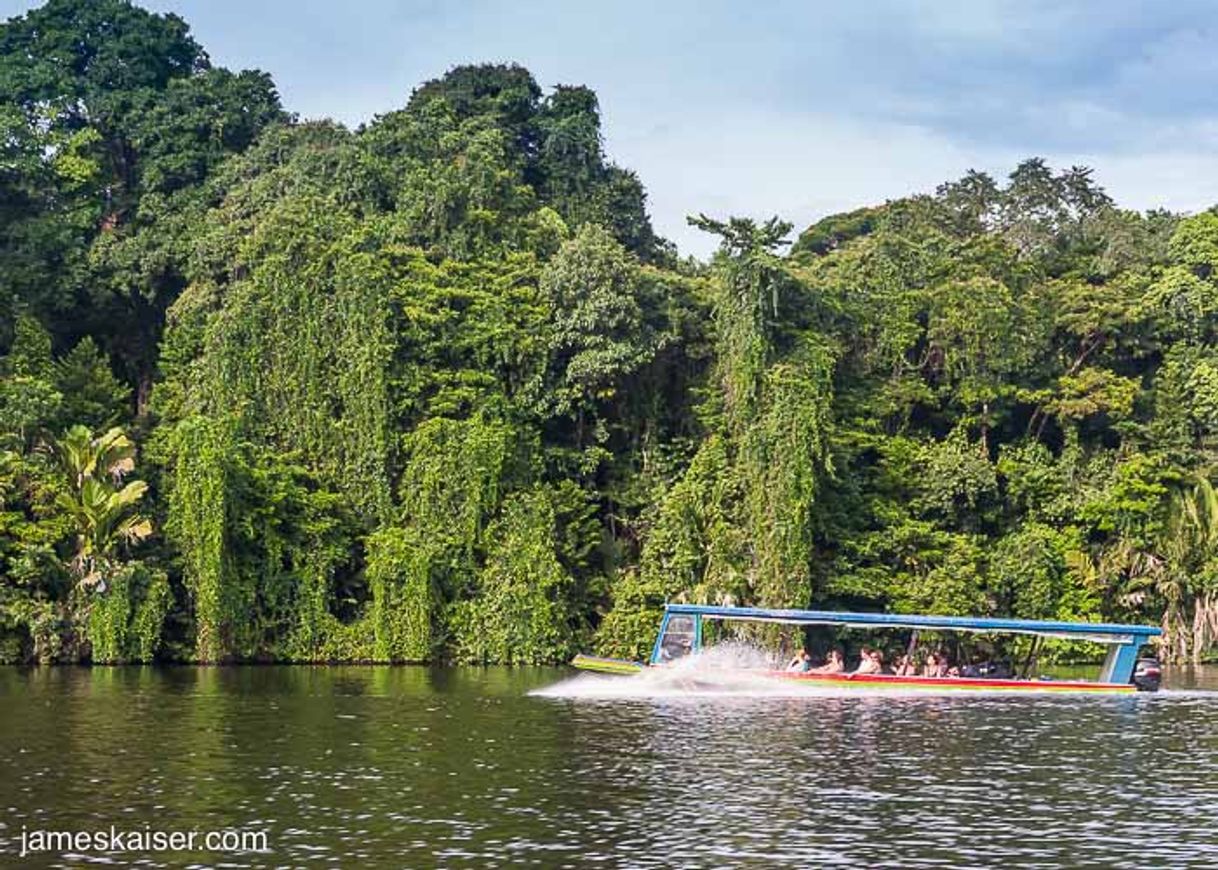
(835, 665)
(801, 663)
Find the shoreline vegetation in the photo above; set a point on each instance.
(433, 389)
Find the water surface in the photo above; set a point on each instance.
(397, 767)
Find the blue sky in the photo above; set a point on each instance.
(793, 108)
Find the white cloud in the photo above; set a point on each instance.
(1181, 181)
(801, 168)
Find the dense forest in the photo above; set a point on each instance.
(434, 389)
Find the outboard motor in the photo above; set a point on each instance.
(1147, 675)
(996, 670)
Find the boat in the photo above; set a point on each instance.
(681, 635)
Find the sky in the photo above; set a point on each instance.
(798, 109)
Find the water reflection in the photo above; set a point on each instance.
(417, 767)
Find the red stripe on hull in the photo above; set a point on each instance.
(950, 682)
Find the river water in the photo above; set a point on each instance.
(414, 767)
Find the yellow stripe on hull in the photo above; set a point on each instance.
(606, 666)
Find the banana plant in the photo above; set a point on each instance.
(103, 509)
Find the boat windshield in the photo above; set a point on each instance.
(678, 639)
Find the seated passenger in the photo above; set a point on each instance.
(835, 665)
(936, 665)
(801, 663)
(674, 648)
(906, 667)
(869, 662)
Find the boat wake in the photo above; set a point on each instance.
(729, 668)
(734, 669)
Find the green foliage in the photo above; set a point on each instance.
(694, 552)
(116, 118)
(27, 406)
(30, 353)
(829, 234)
(599, 333)
(125, 623)
(551, 145)
(738, 524)
(521, 612)
(93, 396)
(199, 524)
(101, 509)
(957, 481)
(404, 596)
(266, 549)
(36, 618)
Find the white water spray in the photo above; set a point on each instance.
(731, 668)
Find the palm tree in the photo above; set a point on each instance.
(1186, 580)
(1179, 571)
(101, 507)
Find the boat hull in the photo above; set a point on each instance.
(623, 667)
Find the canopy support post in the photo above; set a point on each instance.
(655, 650)
(1119, 665)
(1030, 662)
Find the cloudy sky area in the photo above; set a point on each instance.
(791, 108)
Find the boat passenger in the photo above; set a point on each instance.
(801, 663)
(906, 667)
(936, 665)
(835, 665)
(869, 662)
(673, 649)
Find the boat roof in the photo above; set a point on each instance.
(1099, 632)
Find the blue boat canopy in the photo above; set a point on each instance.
(1098, 632)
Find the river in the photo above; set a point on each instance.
(416, 767)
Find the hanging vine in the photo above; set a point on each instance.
(198, 524)
(520, 611)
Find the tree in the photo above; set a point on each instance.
(1186, 577)
(103, 509)
(116, 117)
(598, 332)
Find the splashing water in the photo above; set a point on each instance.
(732, 668)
